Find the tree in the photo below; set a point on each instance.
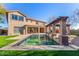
(2, 12)
(73, 19)
(51, 19)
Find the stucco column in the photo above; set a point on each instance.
(45, 29)
(63, 37)
(68, 29)
(53, 31)
(26, 30)
(39, 34)
(53, 28)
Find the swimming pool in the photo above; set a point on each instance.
(39, 40)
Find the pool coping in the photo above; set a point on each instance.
(40, 47)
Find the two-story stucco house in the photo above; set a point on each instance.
(19, 24)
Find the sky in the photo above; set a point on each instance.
(43, 11)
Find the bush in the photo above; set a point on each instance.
(75, 32)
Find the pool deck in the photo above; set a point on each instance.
(14, 46)
(39, 47)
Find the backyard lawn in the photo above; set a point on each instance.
(4, 40)
(38, 53)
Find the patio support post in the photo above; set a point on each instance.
(39, 34)
(44, 29)
(68, 29)
(53, 30)
(23, 30)
(26, 30)
(38, 29)
(63, 40)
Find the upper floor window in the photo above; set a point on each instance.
(36, 22)
(21, 18)
(26, 20)
(30, 21)
(16, 17)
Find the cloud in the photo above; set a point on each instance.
(75, 27)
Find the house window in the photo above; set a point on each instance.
(30, 21)
(21, 18)
(16, 30)
(26, 20)
(36, 22)
(15, 17)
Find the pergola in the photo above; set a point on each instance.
(61, 21)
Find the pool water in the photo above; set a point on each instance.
(39, 40)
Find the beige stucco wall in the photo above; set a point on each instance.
(34, 23)
(14, 23)
(30, 23)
